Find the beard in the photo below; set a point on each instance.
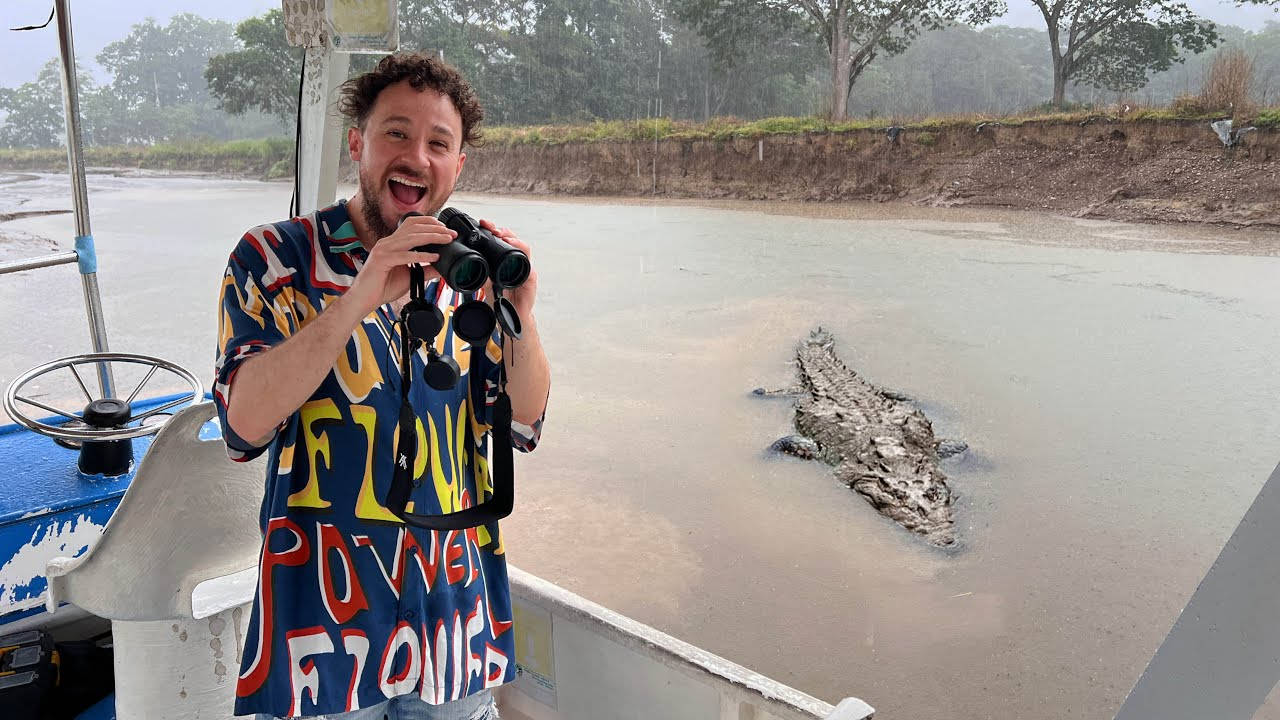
(371, 209)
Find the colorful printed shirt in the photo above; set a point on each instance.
(353, 606)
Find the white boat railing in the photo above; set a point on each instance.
(578, 659)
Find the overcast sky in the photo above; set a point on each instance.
(99, 22)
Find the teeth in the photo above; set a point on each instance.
(404, 181)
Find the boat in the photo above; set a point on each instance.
(125, 531)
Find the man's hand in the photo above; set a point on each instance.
(522, 297)
(385, 275)
(528, 372)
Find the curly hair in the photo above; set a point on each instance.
(358, 95)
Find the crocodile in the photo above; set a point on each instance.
(880, 445)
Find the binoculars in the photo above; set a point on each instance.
(474, 256)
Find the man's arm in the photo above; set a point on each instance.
(528, 373)
(271, 386)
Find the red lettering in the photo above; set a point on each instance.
(255, 675)
(341, 609)
(356, 643)
(406, 544)
(473, 546)
(452, 572)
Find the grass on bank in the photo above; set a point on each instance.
(273, 158)
(730, 128)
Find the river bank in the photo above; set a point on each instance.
(1144, 170)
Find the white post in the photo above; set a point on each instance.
(321, 128)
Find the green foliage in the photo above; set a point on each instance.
(157, 92)
(1117, 44)
(262, 74)
(1123, 57)
(163, 66)
(1268, 119)
(854, 32)
(33, 111)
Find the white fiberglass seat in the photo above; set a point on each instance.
(174, 571)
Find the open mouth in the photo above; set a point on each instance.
(407, 193)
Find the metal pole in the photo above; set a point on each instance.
(40, 262)
(80, 197)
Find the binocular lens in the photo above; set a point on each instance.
(468, 273)
(512, 270)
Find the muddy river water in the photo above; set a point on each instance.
(1117, 386)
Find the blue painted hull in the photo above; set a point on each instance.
(49, 509)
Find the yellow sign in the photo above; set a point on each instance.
(535, 660)
(368, 25)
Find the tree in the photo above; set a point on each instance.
(262, 74)
(158, 91)
(165, 65)
(1117, 44)
(33, 112)
(854, 32)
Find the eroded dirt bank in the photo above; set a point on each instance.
(1152, 171)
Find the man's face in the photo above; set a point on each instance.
(409, 153)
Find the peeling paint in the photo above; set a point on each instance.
(68, 538)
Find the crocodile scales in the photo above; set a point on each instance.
(880, 444)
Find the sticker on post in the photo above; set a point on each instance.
(363, 25)
(535, 661)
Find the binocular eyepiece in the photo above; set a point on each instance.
(476, 255)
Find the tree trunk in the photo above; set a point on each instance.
(1061, 73)
(706, 97)
(841, 66)
(1061, 67)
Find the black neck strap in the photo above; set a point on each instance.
(484, 511)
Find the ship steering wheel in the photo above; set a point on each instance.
(102, 419)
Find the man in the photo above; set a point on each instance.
(357, 615)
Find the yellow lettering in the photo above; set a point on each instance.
(317, 444)
(420, 459)
(368, 507)
(286, 459)
(447, 487)
(358, 379)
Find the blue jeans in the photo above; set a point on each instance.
(480, 706)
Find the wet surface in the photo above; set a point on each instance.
(1116, 385)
